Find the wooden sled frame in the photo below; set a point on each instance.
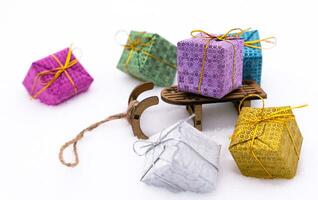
(141, 107)
(194, 102)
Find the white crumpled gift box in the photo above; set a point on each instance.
(180, 158)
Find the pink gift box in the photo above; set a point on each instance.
(57, 78)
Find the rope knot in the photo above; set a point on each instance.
(131, 110)
(133, 44)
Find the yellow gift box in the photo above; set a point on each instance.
(266, 142)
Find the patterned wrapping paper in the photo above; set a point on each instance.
(187, 160)
(276, 145)
(252, 60)
(61, 89)
(153, 60)
(220, 75)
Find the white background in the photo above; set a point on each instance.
(31, 132)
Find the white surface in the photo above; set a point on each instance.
(31, 132)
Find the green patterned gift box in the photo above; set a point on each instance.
(149, 57)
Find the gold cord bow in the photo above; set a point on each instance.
(137, 46)
(251, 43)
(56, 72)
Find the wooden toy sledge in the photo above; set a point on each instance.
(141, 107)
(194, 102)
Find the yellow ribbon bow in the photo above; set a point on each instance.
(56, 72)
(136, 46)
(251, 43)
(279, 116)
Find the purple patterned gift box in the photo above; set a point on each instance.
(210, 65)
(56, 78)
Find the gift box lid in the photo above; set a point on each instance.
(183, 132)
(245, 126)
(201, 41)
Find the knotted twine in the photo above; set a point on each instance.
(128, 115)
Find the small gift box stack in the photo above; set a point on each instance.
(215, 65)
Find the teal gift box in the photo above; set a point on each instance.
(149, 57)
(252, 59)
